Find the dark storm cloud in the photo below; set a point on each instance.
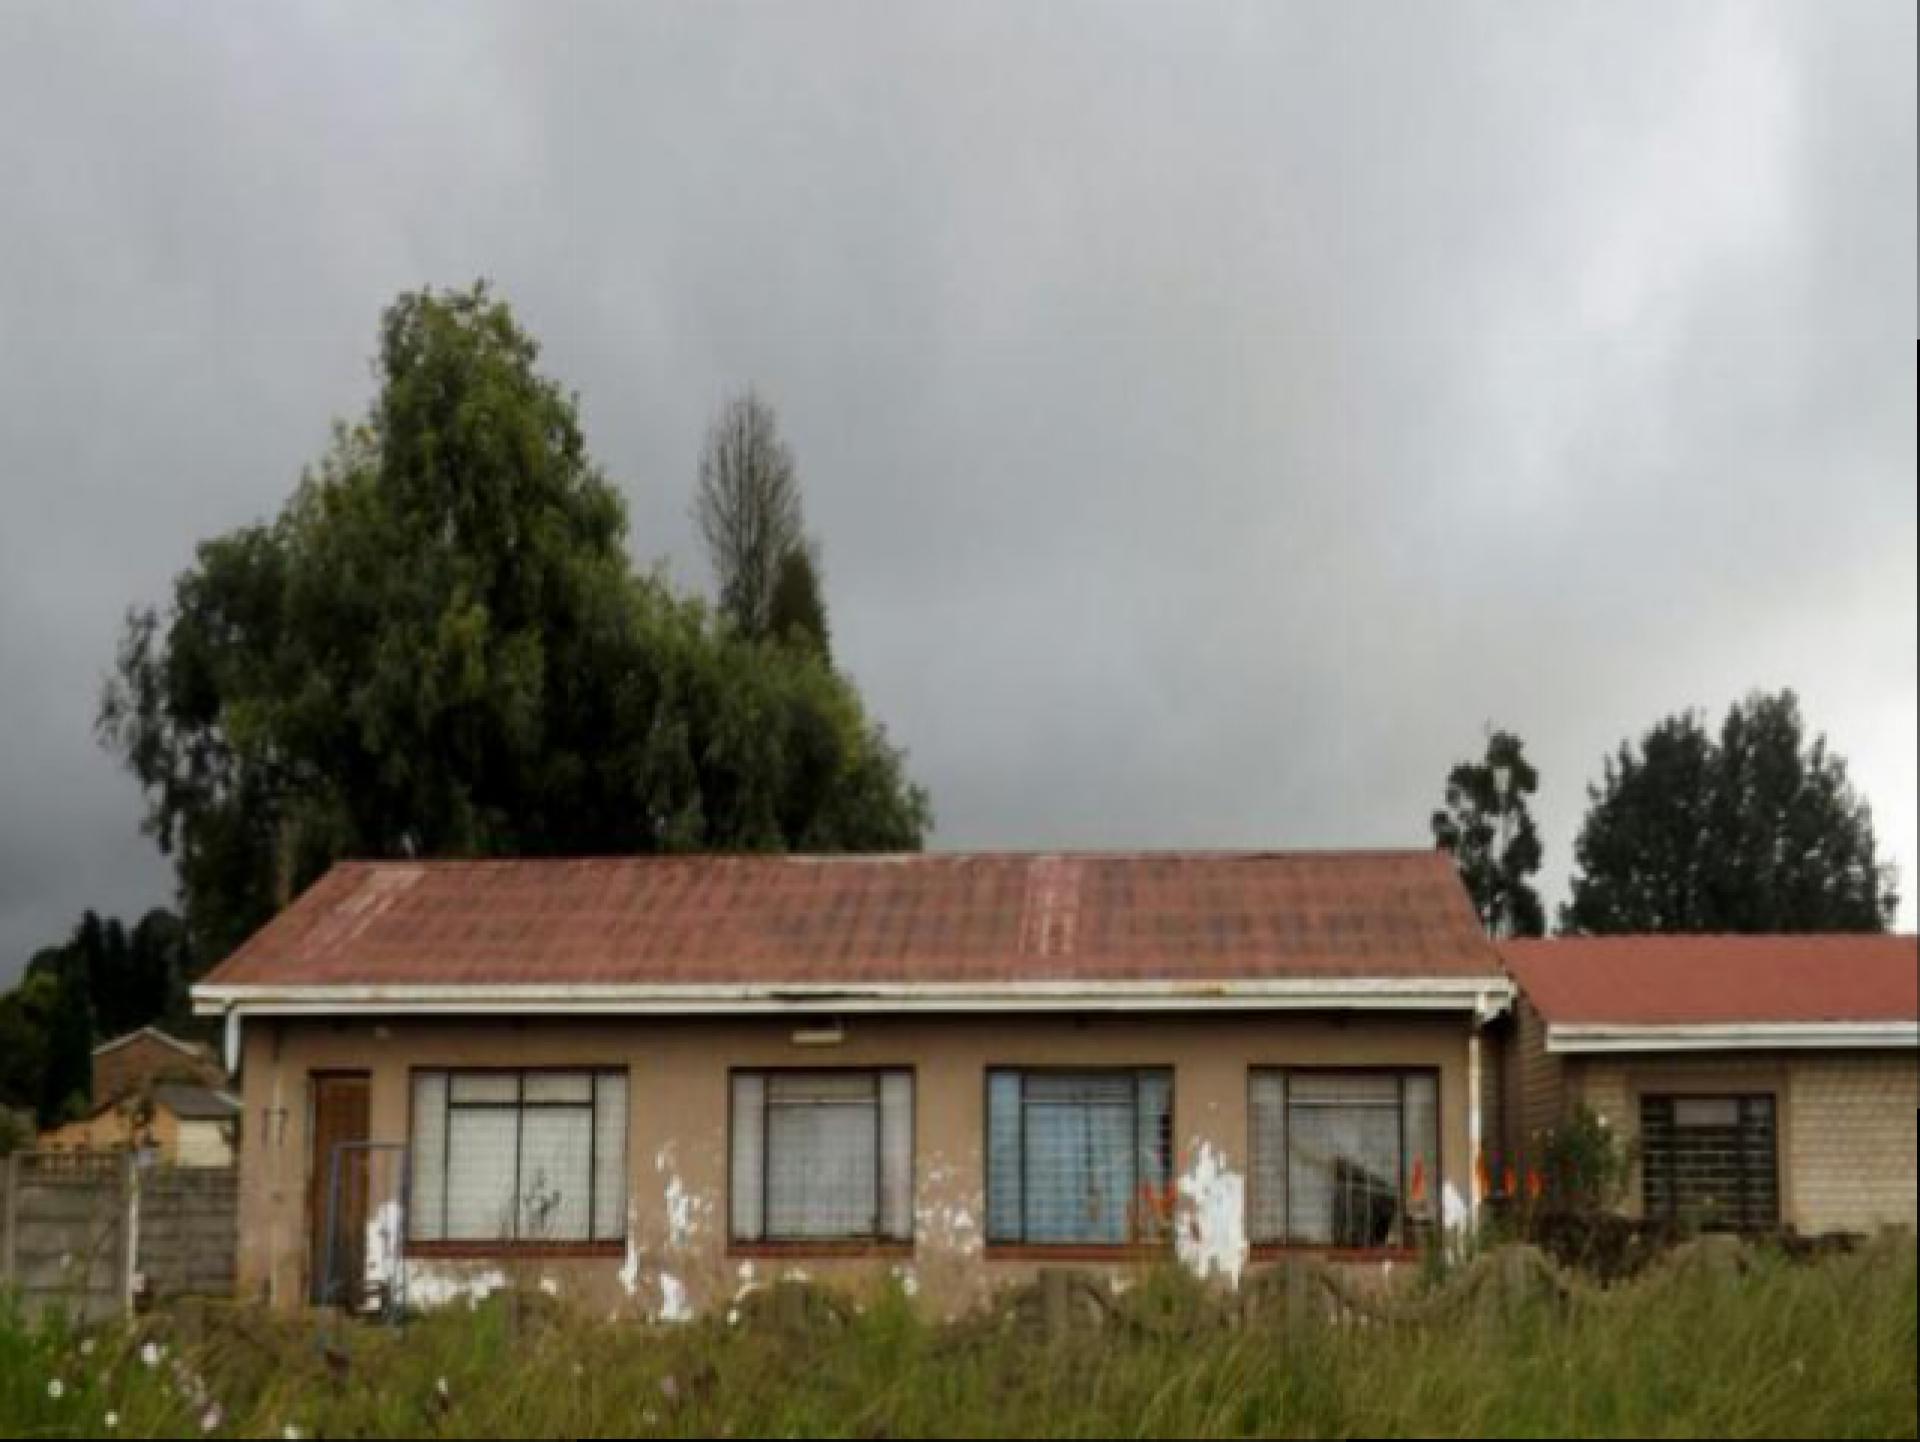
(1211, 415)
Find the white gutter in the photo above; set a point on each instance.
(1731, 1036)
(1358, 994)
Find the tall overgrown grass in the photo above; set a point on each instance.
(1810, 1350)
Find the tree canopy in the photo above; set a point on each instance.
(797, 610)
(1488, 829)
(440, 647)
(1755, 830)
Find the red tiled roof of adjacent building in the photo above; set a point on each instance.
(1708, 980)
(928, 918)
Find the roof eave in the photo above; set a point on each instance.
(1591, 1038)
(1483, 994)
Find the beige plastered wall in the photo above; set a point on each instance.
(677, 1258)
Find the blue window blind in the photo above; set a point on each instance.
(1079, 1157)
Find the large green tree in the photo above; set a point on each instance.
(440, 647)
(66, 1077)
(1756, 829)
(132, 978)
(1488, 829)
(26, 1014)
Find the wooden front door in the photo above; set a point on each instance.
(337, 1209)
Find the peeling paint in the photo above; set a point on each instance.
(1453, 1210)
(381, 1270)
(749, 1283)
(430, 1286)
(630, 1269)
(674, 1304)
(1211, 1236)
(947, 1226)
(682, 1219)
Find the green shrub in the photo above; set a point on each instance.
(1586, 1166)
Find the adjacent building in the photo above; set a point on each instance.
(1756, 1081)
(159, 1095)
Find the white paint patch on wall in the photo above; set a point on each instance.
(675, 1306)
(1453, 1209)
(429, 1286)
(683, 1215)
(630, 1269)
(383, 1252)
(947, 1226)
(1211, 1236)
(749, 1282)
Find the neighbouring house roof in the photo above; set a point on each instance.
(708, 929)
(196, 1103)
(186, 1100)
(194, 1050)
(1705, 992)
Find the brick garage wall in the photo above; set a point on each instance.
(1852, 1166)
(1540, 1083)
(1612, 1087)
(146, 1060)
(1846, 1120)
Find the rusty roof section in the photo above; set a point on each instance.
(1727, 980)
(925, 918)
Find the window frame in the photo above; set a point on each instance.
(482, 1247)
(873, 1244)
(1269, 1248)
(1015, 1249)
(1672, 1098)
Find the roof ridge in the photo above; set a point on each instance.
(1193, 853)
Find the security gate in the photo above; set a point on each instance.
(1710, 1162)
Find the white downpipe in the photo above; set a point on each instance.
(1474, 1138)
(231, 1040)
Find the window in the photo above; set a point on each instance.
(1343, 1159)
(822, 1156)
(1710, 1162)
(1079, 1158)
(519, 1157)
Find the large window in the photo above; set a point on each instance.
(1080, 1157)
(1343, 1159)
(519, 1157)
(1710, 1161)
(822, 1156)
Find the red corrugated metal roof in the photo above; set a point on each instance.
(1704, 980)
(826, 921)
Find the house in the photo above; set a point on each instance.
(175, 1123)
(139, 1059)
(157, 1094)
(654, 1083)
(1756, 1081)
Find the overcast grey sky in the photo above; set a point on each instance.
(1212, 415)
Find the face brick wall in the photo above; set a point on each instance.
(1854, 1140)
(1846, 1124)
